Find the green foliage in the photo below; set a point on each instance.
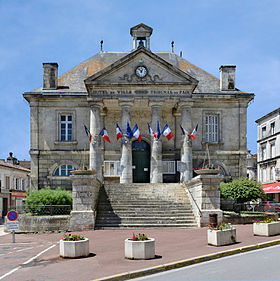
(242, 189)
(48, 196)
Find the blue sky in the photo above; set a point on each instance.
(210, 33)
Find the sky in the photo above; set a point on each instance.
(209, 33)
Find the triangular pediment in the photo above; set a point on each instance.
(158, 72)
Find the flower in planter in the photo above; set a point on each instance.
(72, 237)
(221, 226)
(266, 220)
(139, 237)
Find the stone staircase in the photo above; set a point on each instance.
(143, 206)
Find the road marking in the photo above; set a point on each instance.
(28, 261)
(24, 249)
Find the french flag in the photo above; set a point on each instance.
(167, 132)
(194, 132)
(136, 133)
(88, 133)
(185, 132)
(151, 132)
(105, 135)
(119, 132)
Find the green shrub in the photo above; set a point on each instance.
(48, 196)
(242, 190)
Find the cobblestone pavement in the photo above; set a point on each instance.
(35, 257)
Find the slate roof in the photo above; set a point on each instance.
(73, 80)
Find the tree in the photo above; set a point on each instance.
(242, 190)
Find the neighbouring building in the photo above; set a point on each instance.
(251, 166)
(14, 182)
(269, 153)
(136, 87)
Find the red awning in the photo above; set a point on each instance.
(271, 187)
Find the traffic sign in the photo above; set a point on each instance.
(12, 215)
(12, 225)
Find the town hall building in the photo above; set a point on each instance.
(136, 87)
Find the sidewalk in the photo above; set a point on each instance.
(107, 252)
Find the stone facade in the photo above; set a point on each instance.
(268, 157)
(14, 183)
(111, 88)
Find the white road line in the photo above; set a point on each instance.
(24, 249)
(24, 243)
(28, 261)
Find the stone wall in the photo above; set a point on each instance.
(43, 224)
(204, 193)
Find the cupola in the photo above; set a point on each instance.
(141, 34)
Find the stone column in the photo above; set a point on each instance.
(156, 147)
(186, 150)
(126, 153)
(94, 151)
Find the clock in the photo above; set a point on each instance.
(141, 71)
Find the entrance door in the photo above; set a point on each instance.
(5, 207)
(141, 161)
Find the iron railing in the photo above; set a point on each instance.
(44, 210)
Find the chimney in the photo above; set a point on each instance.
(11, 159)
(50, 75)
(227, 77)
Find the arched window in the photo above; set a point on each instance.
(63, 171)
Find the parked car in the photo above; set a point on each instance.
(268, 206)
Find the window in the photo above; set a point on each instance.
(272, 150)
(66, 127)
(112, 168)
(264, 174)
(264, 132)
(272, 128)
(63, 171)
(7, 182)
(272, 173)
(168, 167)
(263, 151)
(212, 128)
(23, 187)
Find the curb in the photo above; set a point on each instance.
(187, 262)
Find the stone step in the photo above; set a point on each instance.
(152, 212)
(142, 226)
(155, 220)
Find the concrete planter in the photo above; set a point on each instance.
(74, 249)
(221, 237)
(266, 229)
(140, 250)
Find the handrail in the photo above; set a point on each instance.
(200, 213)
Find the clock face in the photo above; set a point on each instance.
(141, 71)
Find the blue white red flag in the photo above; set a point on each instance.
(88, 133)
(158, 131)
(119, 132)
(151, 132)
(105, 135)
(128, 131)
(136, 133)
(167, 132)
(194, 132)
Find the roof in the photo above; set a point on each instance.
(268, 115)
(17, 167)
(73, 80)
